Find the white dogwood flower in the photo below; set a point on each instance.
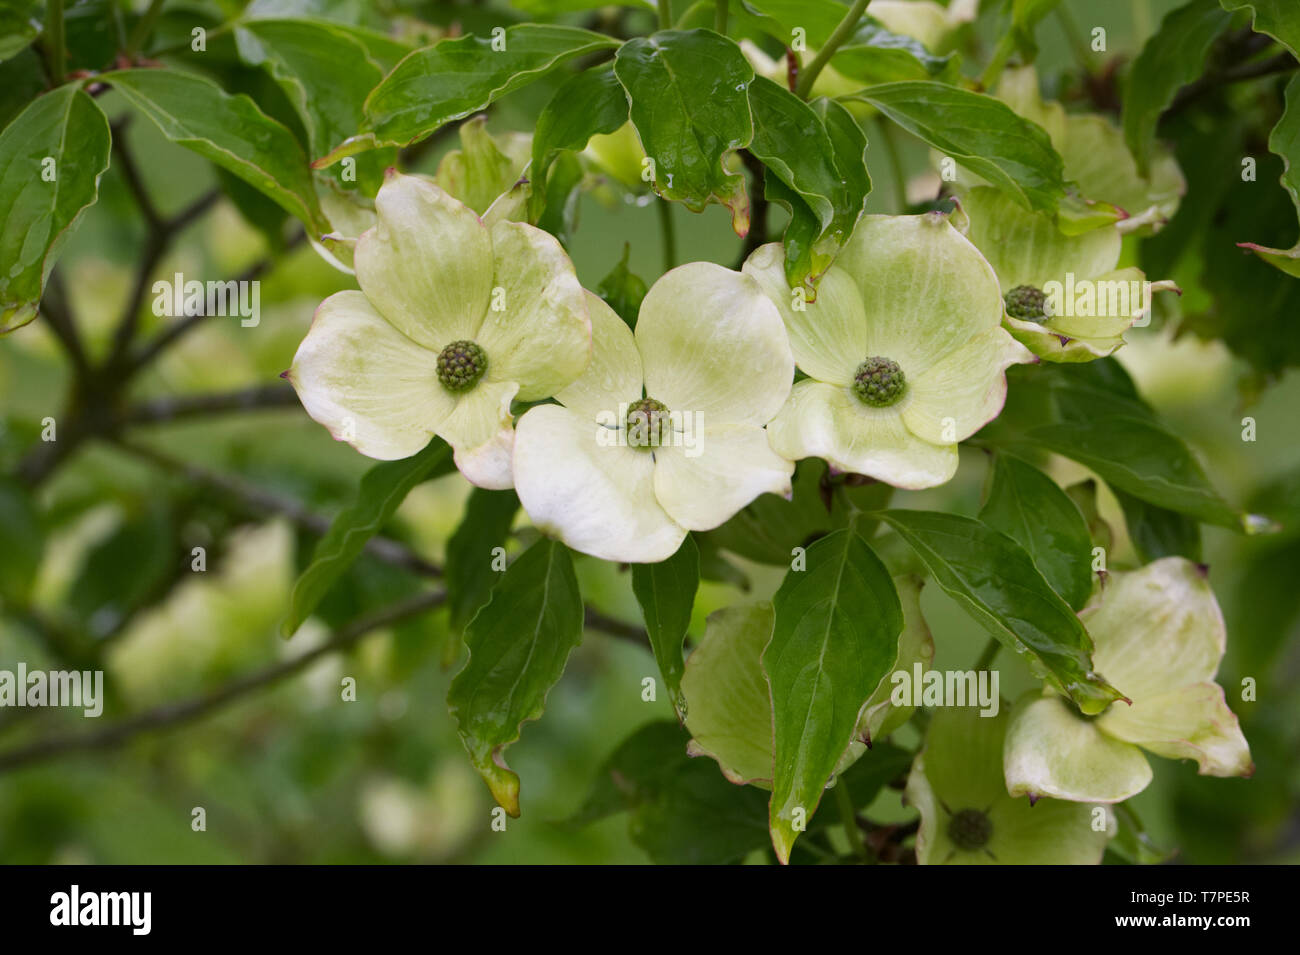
(1159, 637)
(904, 351)
(454, 320)
(663, 433)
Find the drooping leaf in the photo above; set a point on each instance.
(470, 568)
(459, 76)
(688, 92)
(836, 634)
(51, 157)
(1280, 19)
(1173, 57)
(666, 593)
(1284, 141)
(981, 133)
(793, 141)
(1031, 509)
(382, 490)
(1139, 456)
(995, 581)
(623, 291)
(1158, 532)
(518, 646)
(586, 104)
(231, 131)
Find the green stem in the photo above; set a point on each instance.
(667, 233)
(833, 43)
(55, 50)
(143, 28)
(1074, 36)
(889, 137)
(720, 17)
(989, 655)
(844, 799)
(665, 14)
(1006, 46)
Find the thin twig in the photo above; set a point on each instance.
(841, 33)
(171, 407)
(169, 715)
(1283, 62)
(54, 306)
(134, 181)
(615, 628)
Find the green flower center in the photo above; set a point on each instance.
(970, 830)
(461, 364)
(1027, 304)
(647, 421)
(879, 382)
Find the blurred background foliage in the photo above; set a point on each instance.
(291, 773)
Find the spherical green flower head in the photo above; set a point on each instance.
(1159, 637)
(454, 320)
(1092, 303)
(728, 704)
(969, 818)
(708, 367)
(903, 348)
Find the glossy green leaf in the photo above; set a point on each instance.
(817, 18)
(793, 141)
(1139, 456)
(327, 75)
(1280, 19)
(836, 634)
(666, 593)
(1284, 141)
(382, 490)
(688, 92)
(995, 581)
(472, 563)
(874, 54)
(518, 646)
(981, 133)
(51, 157)
(1031, 509)
(22, 542)
(1173, 57)
(586, 104)
(1158, 532)
(231, 131)
(459, 76)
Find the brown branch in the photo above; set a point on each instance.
(615, 628)
(170, 408)
(54, 306)
(1283, 62)
(169, 715)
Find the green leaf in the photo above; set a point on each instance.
(130, 566)
(1173, 57)
(457, 77)
(666, 593)
(818, 18)
(995, 581)
(51, 157)
(588, 103)
(327, 75)
(836, 634)
(874, 54)
(689, 103)
(1139, 456)
(22, 542)
(622, 291)
(1280, 19)
(20, 83)
(382, 490)
(518, 646)
(1031, 509)
(793, 142)
(469, 569)
(981, 133)
(16, 27)
(231, 131)
(1284, 141)
(639, 767)
(1132, 843)
(1157, 532)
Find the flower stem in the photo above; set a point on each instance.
(667, 233)
(1074, 36)
(665, 14)
(720, 17)
(849, 817)
(143, 28)
(55, 50)
(833, 43)
(1006, 46)
(990, 653)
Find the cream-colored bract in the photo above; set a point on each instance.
(957, 772)
(711, 347)
(1159, 637)
(432, 273)
(907, 288)
(1027, 248)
